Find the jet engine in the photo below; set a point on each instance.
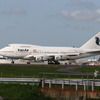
(40, 58)
(60, 57)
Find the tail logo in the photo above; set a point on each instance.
(97, 40)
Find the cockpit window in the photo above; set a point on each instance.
(8, 45)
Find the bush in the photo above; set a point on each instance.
(21, 92)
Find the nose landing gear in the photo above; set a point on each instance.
(12, 62)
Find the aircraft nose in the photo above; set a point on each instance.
(1, 52)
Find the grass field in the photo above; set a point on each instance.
(89, 69)
(25, 70)
(29, 71)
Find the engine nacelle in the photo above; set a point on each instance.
(60, 57)
(40, 58)
(29, 57)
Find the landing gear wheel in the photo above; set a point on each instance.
(50, 62)
(53, 62)
(57, 62)
(12, 62)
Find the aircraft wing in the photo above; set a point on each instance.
(45, 57)
(38, 57)
(93, 52)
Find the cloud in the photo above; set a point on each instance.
(17, 11)
(14, 11)
(81, 15)
(82, 3)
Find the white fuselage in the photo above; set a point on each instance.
(38, 53)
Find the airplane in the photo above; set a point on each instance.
(52, 54)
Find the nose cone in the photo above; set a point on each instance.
(2, 52)
(7, 52)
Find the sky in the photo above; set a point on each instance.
(48, 22)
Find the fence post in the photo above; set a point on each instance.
(92, 85)
(62, 84)
(43, 83)
(87, 82)
(69, 79)
(85, 86)
(50, 83)
(33, 81)
(77, 85)
(82, 79)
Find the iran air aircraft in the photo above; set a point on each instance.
(52, 54)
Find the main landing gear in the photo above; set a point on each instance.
(53, 62)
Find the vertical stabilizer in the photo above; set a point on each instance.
(93, 43)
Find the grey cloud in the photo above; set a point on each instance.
(81, 15)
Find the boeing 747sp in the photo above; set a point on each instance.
(52, 54)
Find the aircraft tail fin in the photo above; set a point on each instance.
(93, 43)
